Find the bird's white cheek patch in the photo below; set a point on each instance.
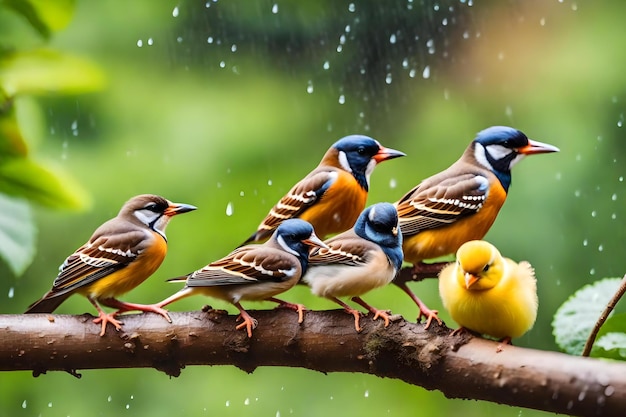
(343, 161)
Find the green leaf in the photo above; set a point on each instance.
(17, 233)
(22, 177)
(12, 142)
(45, 16)
(45, 71)
(574, 320)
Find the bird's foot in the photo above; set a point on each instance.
(298, 308)
(503, 341)
(123, 307)
(429, 315)
(357, 318)
(384, 314)
(249, 322)
(105, 318)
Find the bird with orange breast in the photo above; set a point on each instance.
(461, 203)
(333, 195)
(489, 294)
(119, 256)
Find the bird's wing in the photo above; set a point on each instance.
(346, 249)
(98, 258)
(432, 205)
(303, 195)
(247, 265)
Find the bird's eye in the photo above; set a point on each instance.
(151, 207)
(361, 150)
(486, 268)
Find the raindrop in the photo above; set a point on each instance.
(594, 213)
(241, 193)
(466, 35)
(227, 403)
(600, 248)
(608, 391)
(207, 4)
(542, 21)
(150, 41)
(430, 44)
(621, 179)
(577, 193)
(592, 271)
(342, 99)
(574, 7)
(275, 8)
(127, 406)
(229, 209)
(277, 413)
(613, 216)
(50, 404)
(269, 182)
(342, 39)
(388, 78)
(179, 39)
(140, 43)
(620, 123)
(412, 73)
(367, 393)
(405, 63)
(109, 398)
(233, 48)
(209, 39)
(326, 65)
(351, 7)
(392, 38)
(347, 29)
(246, 401)
(585, 242)
(309, 87)
(426, 72)
(614, 197)
(11, 292)
(444, 22)
(24, 404)
(175, 12)
(339, 48)
(222, 64)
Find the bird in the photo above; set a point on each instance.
(255, 272)
(121, 254)
(489, 294)
(332, 196)
(461, 203)
(366, 257)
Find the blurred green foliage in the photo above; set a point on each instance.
(230, 102)
(23, 73)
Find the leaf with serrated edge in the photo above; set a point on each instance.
(574, 320)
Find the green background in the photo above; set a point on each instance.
(232, 121)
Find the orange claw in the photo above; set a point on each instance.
(299, 308)
(105, 318)
(249, 322)
(384, 314)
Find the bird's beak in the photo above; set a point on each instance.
(313, 240)
(470, 279)
(387, 153)
(534, 147)
(176, 208)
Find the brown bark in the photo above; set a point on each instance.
(459, 366)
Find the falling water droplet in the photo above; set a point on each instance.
(412, 73)
(585, 242)
(50, 404)
(326, 65)
(246, 401)
(227, 403)
(351, 7)
(140, 43)
(24, 404)
(614, 197)
(367, 393)
(11, 292)
(269, 182)
(229, 209)
(109, 398)
(392, 38)
(175, 12)
(426, 72)
(388, 78)
(233, 48)
(600, 248)
(342, 99)
(275, 8)
(405, 63)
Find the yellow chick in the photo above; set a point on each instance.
(489, 294)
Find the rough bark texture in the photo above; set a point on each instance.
(459, 366)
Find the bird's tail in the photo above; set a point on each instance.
(47, 304)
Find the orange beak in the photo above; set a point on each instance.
(176, 208)
(470, 279)
(534, 147)
(313, 240)
(387, 153)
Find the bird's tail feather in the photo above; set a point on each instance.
(47, 304)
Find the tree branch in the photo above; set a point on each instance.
(459, 366)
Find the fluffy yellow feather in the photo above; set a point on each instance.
(489, 294)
